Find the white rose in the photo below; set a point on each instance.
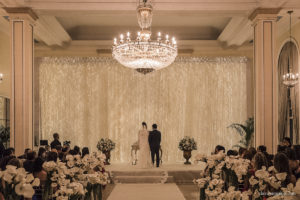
(281, 176)
(253, 181)
(36, 182)
(25, 190)
(29, 178)
(297, 187)
(7, 178)
(262, 174)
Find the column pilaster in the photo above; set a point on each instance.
(22, 60)
(265, 73)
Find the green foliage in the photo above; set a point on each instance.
(245, 131)
(4, 134)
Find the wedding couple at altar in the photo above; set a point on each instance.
(149, 145)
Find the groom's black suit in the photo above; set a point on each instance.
(154, 142)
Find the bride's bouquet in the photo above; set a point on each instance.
(187, 144)
(106, 145)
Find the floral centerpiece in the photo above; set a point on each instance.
(105, 145)
(17, 183)
(228, 177)
(78, 178)
(187, 145)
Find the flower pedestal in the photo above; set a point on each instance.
(107, 155)
(187, 155)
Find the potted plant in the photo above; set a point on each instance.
(4, 135)
(245, 131)
(187, 145)
(106, 145)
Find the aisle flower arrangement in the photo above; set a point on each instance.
(17, 183)
(105, 145)
(224, 178)
(187, 144)
(78, 178)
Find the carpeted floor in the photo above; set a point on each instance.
(146, 192)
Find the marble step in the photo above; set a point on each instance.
(138, 173)
(143, 179)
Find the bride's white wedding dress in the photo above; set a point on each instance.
(144, 159)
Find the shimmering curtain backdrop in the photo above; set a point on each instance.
(85, 99)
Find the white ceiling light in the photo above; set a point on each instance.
(143, 54)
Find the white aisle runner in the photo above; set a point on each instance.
(146, 192)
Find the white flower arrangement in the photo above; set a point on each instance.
(187, 144)
(223, 174)
(105, 145)
(77, 177)
(17, 183)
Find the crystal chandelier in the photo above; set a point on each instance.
(290, 79)
(143, 54)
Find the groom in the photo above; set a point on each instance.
(154, 142)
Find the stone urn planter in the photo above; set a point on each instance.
(187, 155)
(107, 155)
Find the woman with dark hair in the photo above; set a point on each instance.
(85, 151)
(144, 154)
(293, 162)
(42, 153)
(259, 160)
(281, 164)
(39, 172)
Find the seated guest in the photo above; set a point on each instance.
(281, 148)
(242, 151)
(262, 148)
(77, 149)
(41, 174)
(247, 155)
(73, 152)
(286, 142)
(56, 141)
(252, 150)
(5, 161)
(219, 148)
(15, 162)
(52, 156)
(258, 161)
(38, 171)
(12, 150)
(281, 164)
(85, 151)
(42, 153)
(29, 163)
(25, 154)
(8, 152)
(232, 153)
(293, 162)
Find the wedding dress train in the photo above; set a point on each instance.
(144, 159)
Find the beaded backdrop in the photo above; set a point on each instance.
(85, 99)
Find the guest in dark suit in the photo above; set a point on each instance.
(154, 142)
(56, 141)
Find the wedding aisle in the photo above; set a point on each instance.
(146, 192)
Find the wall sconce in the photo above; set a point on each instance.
(1, 77)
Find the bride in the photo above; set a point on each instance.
(144, 160)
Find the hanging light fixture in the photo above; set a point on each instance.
(143, 54)
(290, 79)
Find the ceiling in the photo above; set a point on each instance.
(92, 24)
(183, 26)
